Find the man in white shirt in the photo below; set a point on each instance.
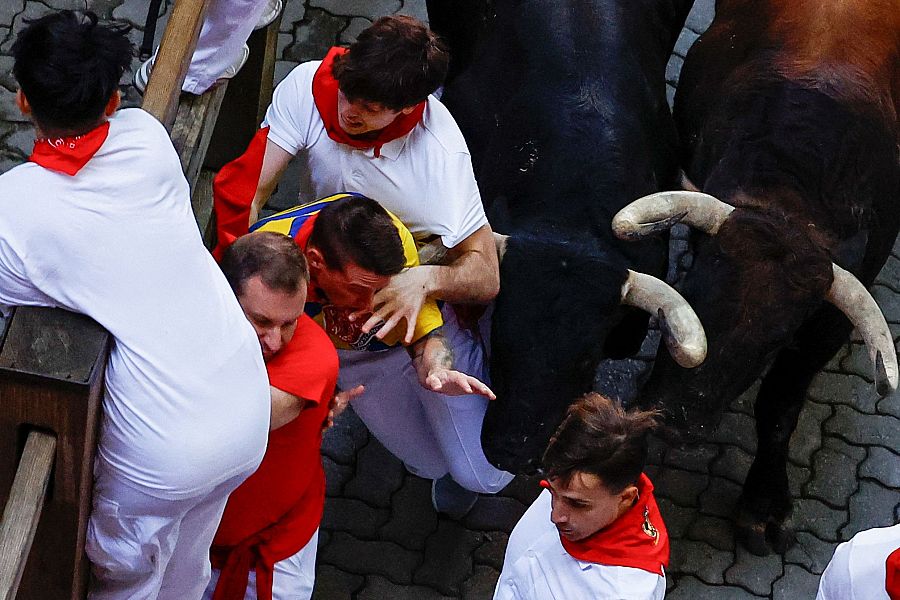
(867, 567)
(595, 531)
(99, 222)
(363, 120)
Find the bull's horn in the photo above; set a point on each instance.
(657, 212)
(682, 330)
(434, 252)
(849, 295)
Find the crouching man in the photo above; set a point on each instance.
(595, 531)
(266, 542)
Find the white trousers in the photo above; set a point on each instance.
(292, 578)
(227, 26)
(431, 433)
(141, 546)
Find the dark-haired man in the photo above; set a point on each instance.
(95, 223)
(364, 120)
(595, 531)
(427, 403)
(265, 546)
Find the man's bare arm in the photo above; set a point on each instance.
(285, 407)
(275, 161)
(472, 275)
(432, 358)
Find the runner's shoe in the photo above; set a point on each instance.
(142, 75)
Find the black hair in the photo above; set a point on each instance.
(68, 65)
(358, 230)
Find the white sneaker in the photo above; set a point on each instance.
(142, 75)
(273, 8)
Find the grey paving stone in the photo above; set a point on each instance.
(890, 274)
(448, 557)
(412, 517)
(617, 379)
(354, 27)
(294, 11)
(351, 555)
(888, 301)
(480, 586)
(682, 487)
(883, 465)
(378, 475)
(353, 516)
(317, 33)
(744, 403)
(720, 498)
(8, 162)
(8, 110)
(495, 512)
(807, 437)
(345, 438)
(379, 588)
(9, 9)
(715, 531)
(6, 77)
(371, 9)
(673, 69)
(844, 388)
(815, 517)
(691, 588)
(738, 429)
(284, 40)
(678, 519)
(282, 68)
(334, 584)
(732, 463)
(134, 12)
(867, 430)
(492, 550)
(834, 477)
(416, 9)
(872, 506)
(524, 488)
(692, 458)
(335, 476)
(794, 584)
(797, 478)
(699, 559)
(21, 140)
(685, 40)
(810, 552)
(857, 453)
(755, 573)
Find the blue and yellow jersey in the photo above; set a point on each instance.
(298, 222)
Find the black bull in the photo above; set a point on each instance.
(787, 114)
(563, 106)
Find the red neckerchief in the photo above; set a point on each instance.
(892, 575)
(637, 539)
(69, 154)
(325, 93)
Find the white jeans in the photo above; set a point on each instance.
(431, 433)
(292, 578)
(227, 26)
(141, 546)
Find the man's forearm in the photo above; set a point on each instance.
(473, 274)
(430, 353)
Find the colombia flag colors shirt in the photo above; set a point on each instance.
(298, 223)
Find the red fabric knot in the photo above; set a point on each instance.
(69, 154)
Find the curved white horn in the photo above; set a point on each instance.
(682, 330)
(849, 295)
(657, 212)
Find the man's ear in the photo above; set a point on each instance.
(408, 109)
(22, 103)
(113, 104)
(628, 496)
(314, 258)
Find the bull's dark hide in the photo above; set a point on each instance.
(563, 106)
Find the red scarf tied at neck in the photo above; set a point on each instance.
(69, 154)
(637, 539)
(325, 94)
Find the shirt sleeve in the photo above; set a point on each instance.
(307, 367)
(460, 200)
(292, 109)
(835, 581)
(16, 288)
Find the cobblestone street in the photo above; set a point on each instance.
(381, 538)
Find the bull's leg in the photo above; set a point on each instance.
(765, 503)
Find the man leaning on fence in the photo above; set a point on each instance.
(99, 221)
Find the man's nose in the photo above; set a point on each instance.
(272, 339)
(558, 517)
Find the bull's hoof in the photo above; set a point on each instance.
(752, 536)
(781, 536)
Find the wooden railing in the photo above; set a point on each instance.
(52, 361)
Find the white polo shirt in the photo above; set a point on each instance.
(537, 567)
(424, 177)
(857, 569)
(187, 402)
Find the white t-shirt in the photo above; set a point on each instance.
(187, 402)
(537, 567)
(857, 569)
(424, 177)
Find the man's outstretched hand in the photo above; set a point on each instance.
(339, 402)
